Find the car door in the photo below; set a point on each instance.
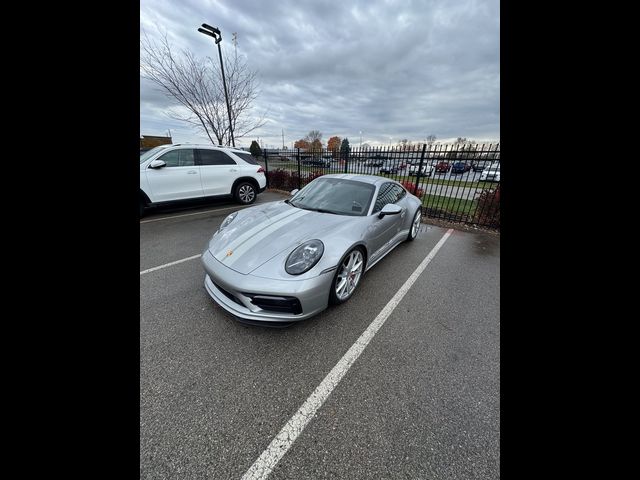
(383, 230)
(179, 179)
(218, 171)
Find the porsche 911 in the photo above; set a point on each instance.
(288, 260)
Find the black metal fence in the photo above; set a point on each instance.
(456, 183)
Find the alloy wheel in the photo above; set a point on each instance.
(246, 193)
(349, 276)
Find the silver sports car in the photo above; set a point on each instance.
(288, 260)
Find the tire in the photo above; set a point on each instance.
(415, 225)
(245, 193)
(338, 296)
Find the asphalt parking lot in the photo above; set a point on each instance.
(421, 401)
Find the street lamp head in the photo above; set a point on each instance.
(206, 32)
(213, 29)
(212, 32)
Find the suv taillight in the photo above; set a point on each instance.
(260, 170)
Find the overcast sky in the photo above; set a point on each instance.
(387, 68)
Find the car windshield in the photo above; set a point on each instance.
(149, 153)
(335, 195)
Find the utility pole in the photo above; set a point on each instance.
(283, 138)
(235, 44)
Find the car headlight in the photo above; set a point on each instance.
(227, 221)
(304, 257)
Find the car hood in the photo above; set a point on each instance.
(259, 233)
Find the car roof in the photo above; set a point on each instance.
(372, 179)
(205, 145)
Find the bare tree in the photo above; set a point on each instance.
(430, 139)
(313, 135)
(404, 144)
(196, 84)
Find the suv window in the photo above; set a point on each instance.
(388, 193)
(247, 157)
(214, 157)
(178, 158)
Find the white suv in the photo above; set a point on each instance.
(491, 173)
(427, 170)
(169, 173)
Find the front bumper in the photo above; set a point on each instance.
(313, 294)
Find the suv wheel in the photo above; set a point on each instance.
(245, 193)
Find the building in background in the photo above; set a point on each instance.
(150, 141)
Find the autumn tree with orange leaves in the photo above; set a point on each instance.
(311, 143)
(316, 147)
(333, 145)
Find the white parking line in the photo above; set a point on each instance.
(196, 213)
(169, 264)
(267, 461)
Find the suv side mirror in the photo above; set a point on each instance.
(294, 191)
(389, 209)
(157, 164)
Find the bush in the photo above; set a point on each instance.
(282, 179)
(488, 209)
(288, 180)
(410, 186)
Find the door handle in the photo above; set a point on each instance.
(192, 172)
(233, 169)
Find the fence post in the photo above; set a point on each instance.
(266, 167)
(346, 161)
(415, 189)
(299, 177)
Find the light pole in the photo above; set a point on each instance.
(217, 36)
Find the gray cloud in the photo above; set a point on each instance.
(392, 69)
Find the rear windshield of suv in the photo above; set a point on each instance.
(247, 157)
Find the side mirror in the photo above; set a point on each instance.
(157, 164)
(294, 191)
(389, 209)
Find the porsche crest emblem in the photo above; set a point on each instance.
(229, 253)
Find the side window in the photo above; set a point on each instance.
(389, 193)
(386, 194)
(178, 158)
(247, 157)
(172, 158)
(215, 157)
(186, 158)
